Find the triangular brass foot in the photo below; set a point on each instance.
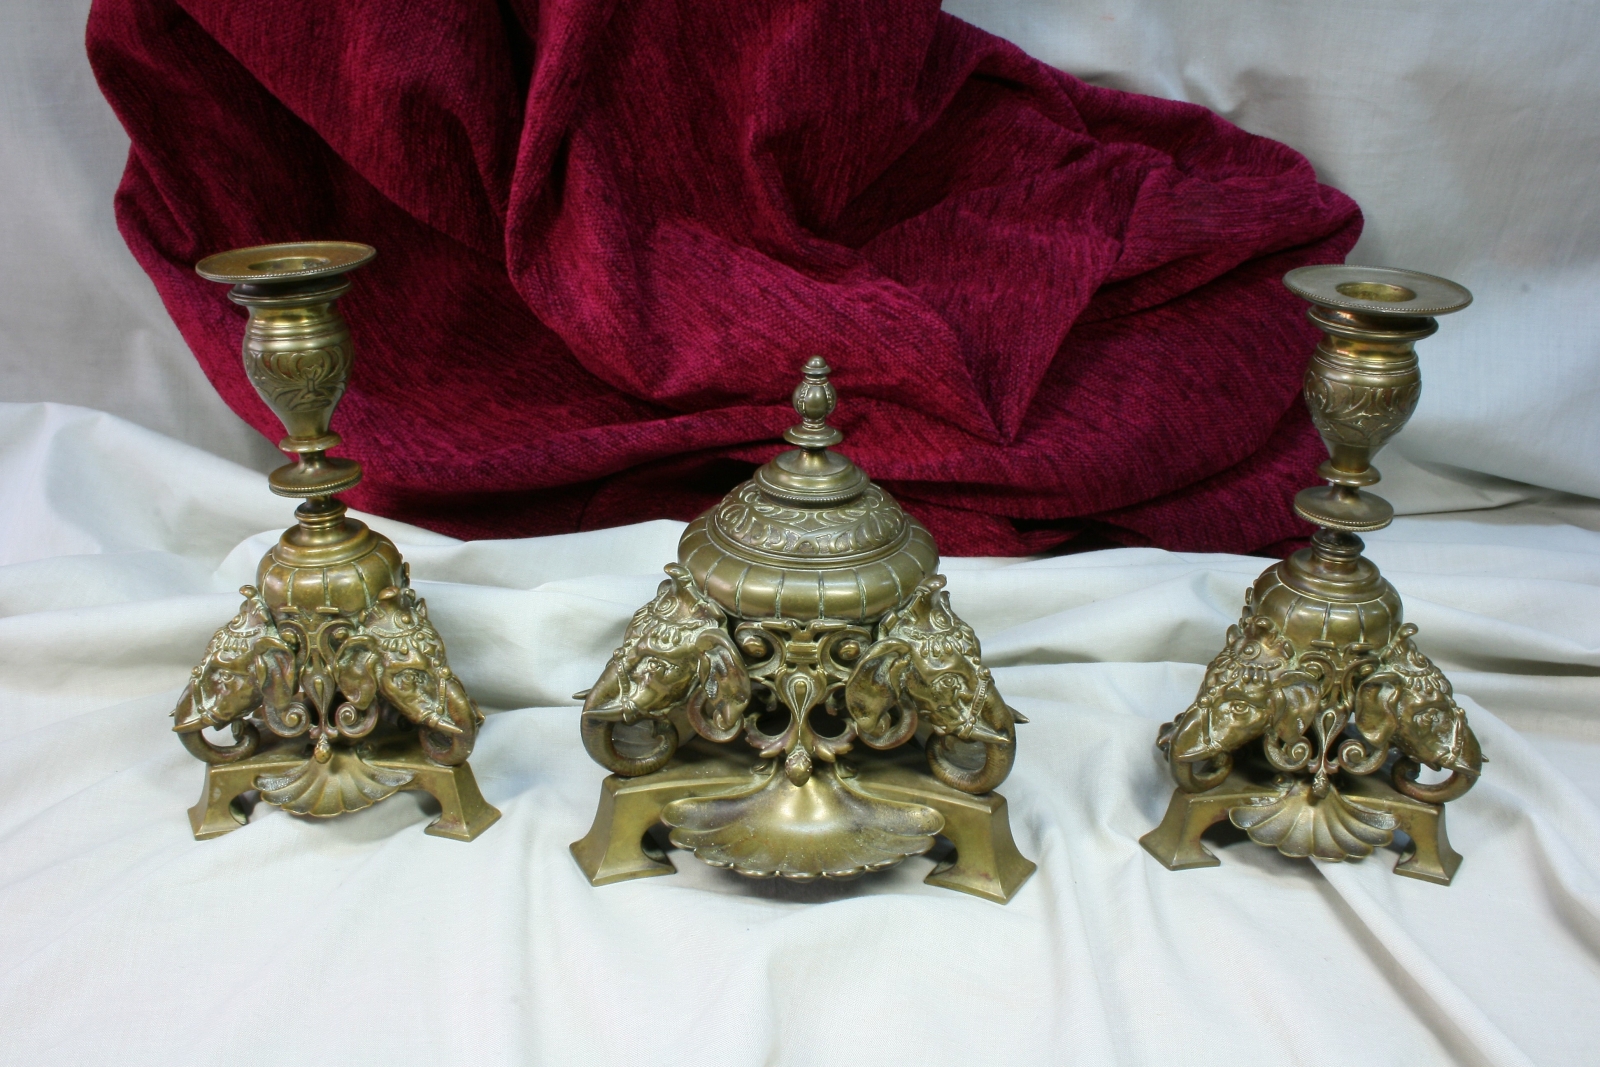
(463, 813)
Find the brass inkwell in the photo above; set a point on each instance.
(331, 656)
(799, 700)
(1320, 687)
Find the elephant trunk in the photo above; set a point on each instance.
(1465, 763)
(452, 747)
(247, 740)
(1404, 778)
(1191, 779)
(451, 750)
(997, 760)
(600, 742)
(1188, 746)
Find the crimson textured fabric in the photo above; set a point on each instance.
(609, 235)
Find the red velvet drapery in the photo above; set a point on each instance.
(610, 234)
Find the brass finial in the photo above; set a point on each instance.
(812, 476)
(814, 400)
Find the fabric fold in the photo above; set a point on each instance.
(610, 234)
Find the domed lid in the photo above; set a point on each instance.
(809, 536)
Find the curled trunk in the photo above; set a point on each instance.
(1404, 778)
(599, 740)
(1190, 777)
(943, 761)
(246, 740)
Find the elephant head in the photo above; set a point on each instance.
(675, 656)
(926, 665)
(1410, 702)
(398, 655)
(246, 665)
(1250, 689)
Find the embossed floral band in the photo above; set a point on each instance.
(799, 700)
(1321, 686)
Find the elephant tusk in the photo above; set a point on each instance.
(444, 726)
(981, 731)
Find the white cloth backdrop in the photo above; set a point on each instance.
(1469, 133)
(364, 941)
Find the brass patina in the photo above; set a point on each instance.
(799, 700)
(1320, 687)
(331, 657)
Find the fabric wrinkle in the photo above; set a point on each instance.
(682, 200)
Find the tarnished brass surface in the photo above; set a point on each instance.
(331, 654)
(463, 813)
(983, 861)
(1303, 829)
(809, 537)
(1320, 685)
(802, 826)
(804, 618)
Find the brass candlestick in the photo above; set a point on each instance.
(1320, 686)
(332, 654)
(805, 619)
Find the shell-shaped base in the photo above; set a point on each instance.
(1298, 823)
(344, 783)
(825, 828)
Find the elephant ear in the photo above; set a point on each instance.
(1299, 696)
(274, 672)
(721, 690)
(357, 672)
(1375, 715)
(877, 687)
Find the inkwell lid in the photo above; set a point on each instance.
(809, 536)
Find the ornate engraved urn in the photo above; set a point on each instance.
(330, 685)
(1320, 687)
(799, 700)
